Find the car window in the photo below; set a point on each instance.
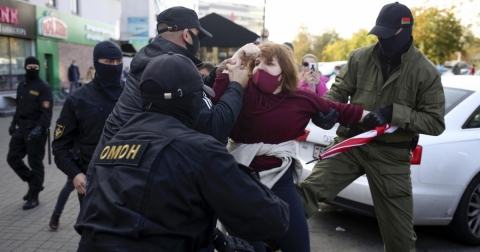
(453, 96)
(474, 121)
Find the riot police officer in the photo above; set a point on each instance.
(83, 116)
(29, 131)
(157, 185)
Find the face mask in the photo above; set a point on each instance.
(74, 64)
(193, 48)
(31, 73)
(266, 82)
(392, 46)
(109, 78)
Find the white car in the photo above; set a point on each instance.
(445, 169)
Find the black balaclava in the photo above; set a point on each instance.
(31, 74)
(396, 45)
(193, 48)
(108, 76)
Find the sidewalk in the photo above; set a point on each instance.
(28, 230)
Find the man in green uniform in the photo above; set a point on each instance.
(395, 81)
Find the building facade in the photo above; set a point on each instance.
(56, 32)
(17, 39)
(139, 18)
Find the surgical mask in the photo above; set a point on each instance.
(193, 48)
(31, 73)
(266, 82)
(74, 64)
(396, 44)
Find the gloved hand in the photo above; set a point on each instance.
(325, 121)
(378, 117)
(225, 243)
(12, 129)
(35, 133)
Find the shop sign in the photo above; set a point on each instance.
(8, 15)
(51, 26)
(17, 19)
(95, 37)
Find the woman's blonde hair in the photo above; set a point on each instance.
(284, 56)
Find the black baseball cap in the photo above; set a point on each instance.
(178, 77)
(392, 17)
(179, 18)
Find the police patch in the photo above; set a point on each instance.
(59, 131)
(122, 152)
(33, 92)
(46, 104)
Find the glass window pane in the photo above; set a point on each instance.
(74, 6)
(20, 50)
(5, 78)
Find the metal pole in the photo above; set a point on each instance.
(263, 30)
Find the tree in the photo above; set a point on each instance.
(437, 33)
(340, 49)
(320, 41)
(302, 43)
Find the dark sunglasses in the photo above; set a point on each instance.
(305, 64)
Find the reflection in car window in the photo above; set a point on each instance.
(453, 96)
(474, 120)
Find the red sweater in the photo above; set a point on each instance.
(277, 118)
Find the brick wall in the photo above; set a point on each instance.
(83, 56)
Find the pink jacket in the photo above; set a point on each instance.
(321, 87)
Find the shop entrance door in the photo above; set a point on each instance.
(48, 68)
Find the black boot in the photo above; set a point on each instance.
(32, 202)
(29, 192)
(54, 220)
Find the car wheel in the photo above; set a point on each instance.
(465, 225)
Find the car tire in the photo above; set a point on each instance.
(465, 225)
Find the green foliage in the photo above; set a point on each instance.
(340, 49)
(437, 33)
(305, 42)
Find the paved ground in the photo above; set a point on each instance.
(28, 230)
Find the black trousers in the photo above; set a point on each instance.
(20, 147)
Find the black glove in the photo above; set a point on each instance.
(12, 129)
(225, 243)
(378, 117)
(36, 132)
(325, 121)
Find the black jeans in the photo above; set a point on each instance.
(63, 196)
(20, 147)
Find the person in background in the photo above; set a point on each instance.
(312, 80)
(32, 116)
(73, 77)
(90, 75)
(441, 68)
(81, 121)
(456, 69)
(206, 69)
(472, 70)
(401, 87)
(126, 72)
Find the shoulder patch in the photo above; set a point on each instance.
(33, 92)
(59, 131)
(122, 152)
(46, 104)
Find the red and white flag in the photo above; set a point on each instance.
(357, 141)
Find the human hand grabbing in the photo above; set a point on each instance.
(223, 65)
(326, 121)
(379, 117)
(35, 133)
(245, 53)
(238, 74)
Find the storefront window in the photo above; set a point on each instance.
(13, 52)
(5, 78)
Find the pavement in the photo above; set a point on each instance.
(27, 230)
